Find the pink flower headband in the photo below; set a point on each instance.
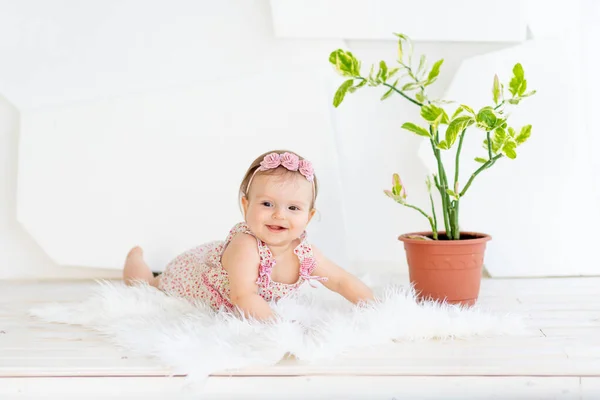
(289, 161)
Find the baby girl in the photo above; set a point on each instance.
(264, 258)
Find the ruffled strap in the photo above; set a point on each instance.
(240, 227)
(307, 265)
(307, 262)
(266, 257)
(266, 264)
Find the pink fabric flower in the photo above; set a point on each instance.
(290, 161)
(305, 167)
(264, 273)
(270, 161)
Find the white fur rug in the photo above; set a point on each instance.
(315, 324)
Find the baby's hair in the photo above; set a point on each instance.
(256, 163)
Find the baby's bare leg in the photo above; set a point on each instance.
(137, 270)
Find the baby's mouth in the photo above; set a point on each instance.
(276, 228)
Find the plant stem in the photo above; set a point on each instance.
(403, 95)
(442, 184)
(454, 220)
(457, 162)
(445, 186)
(499, 105)
(489, 146)
(431, 222)
(434, 216)
(487, 165)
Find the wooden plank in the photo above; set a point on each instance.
(590, 388)
(471, 349)
(574, 332)
(562, 340)
(118, 366)
(298, 387)
(31, 292)
(549, 364)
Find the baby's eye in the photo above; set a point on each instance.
(293, 208)
(266, 203)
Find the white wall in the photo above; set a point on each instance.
(20, 256)
(93, 54)
(151, 151)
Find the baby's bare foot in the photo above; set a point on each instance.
(136, 268)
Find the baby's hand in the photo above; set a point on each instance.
(340, 280)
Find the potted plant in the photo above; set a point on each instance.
(445, 264)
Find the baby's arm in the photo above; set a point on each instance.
(241, 261)
(340, 280)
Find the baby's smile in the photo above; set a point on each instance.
(276, 228)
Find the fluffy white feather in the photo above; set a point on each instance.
(313, 325)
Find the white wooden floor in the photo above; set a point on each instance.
(560, 360)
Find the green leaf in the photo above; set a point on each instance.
(461, 108)
(420, 96)
(421, 67)
(496, 89)
(509, 149)
(511, 132)
(400, 51)
(523, 87)
(341, 92)
(361, 84)
(485, 144)
(443, 145)
(387, 94)
(517, 84)
(431, 113)
(397, 189)
(468, 109)
(458, 111)
(402, 38)
(456, 127)
(528, 94)
(382, 75)
(452, 193)
(518, 71)
(435, 71)
(393, 72)
(498, 139)
(409, 126)
(345, 63)
(481, 160)
(523, 135)
(486, 118)
(442, 101)
(410, 86)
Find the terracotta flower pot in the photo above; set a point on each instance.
(446, 270)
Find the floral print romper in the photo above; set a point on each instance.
(198, 274)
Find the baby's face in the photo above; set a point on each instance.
(278, 208)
